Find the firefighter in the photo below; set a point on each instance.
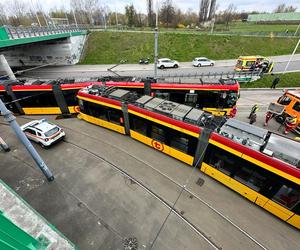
(269, 116)
(254, 109)
(233, 112)
(290, 123)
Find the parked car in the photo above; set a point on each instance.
(167, 63)
(203, 61)
(43, 132)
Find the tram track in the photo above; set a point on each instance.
(157, 171)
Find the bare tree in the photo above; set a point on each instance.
(151, 22)
(3, 17)
(282, 8)
(131, 15)
(17, 11)
(207, 10)
(167, 12)
(212, 9)
(229, 14)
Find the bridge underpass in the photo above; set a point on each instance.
(35, 46)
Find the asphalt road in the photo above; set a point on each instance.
(185, 69)
(97, 207)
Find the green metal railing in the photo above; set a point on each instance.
(11, 36)
(12, 237)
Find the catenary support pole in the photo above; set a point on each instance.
(7, 68)
(11, 119)
(291, 57)
(156, 42)
(297, 30)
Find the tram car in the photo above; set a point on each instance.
(57, 97)
(262, 166)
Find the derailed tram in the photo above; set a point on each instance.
(261, 166)
(58, 97)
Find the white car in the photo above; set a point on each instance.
(167, 63)
(43, 132)
(203, 61)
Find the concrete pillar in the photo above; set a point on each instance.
(3, 145)
(7, 68)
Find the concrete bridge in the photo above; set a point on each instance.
(34, 46)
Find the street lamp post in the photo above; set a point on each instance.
(156, 43)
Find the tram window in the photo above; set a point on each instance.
(96, 110)
(36, 98)
(114, 116)
(297, 106)
(190, 98)
(70, 96)
(250, 176)
(221, 160)
(178, 141)
(287, 196)
(158, 134)
(138, 124)
(82, 104)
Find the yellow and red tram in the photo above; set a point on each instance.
(261, 166)
(218, 98)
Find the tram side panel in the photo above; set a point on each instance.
(37, 102)
(268, 190)
(272, 192)
(102, 114)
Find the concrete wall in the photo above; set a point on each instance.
(64, 51)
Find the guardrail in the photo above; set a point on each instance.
(10, 32)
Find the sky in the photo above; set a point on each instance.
(140, 5)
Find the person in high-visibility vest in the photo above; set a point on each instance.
(254, 109)
(290, 123)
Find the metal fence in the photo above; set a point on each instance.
(27, 32)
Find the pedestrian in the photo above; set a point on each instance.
(269, 116)
(275, 82)
(253, 118)
(290, 123)
(254, 109)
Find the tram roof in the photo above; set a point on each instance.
(262, 140)
(205, 84)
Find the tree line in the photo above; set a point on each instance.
(92, 12)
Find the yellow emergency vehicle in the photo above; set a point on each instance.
(291, 101)
(251, 63)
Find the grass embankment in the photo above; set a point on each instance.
(253, 27)
(286, 80)
(111, 47)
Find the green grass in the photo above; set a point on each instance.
(286, 80)
(111, 47)
(252, 27)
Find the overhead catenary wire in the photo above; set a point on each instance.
(183, 188)
(30, 69)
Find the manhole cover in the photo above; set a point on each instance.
(200, 182)
(131, 243)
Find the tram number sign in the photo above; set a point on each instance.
(157, 145)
